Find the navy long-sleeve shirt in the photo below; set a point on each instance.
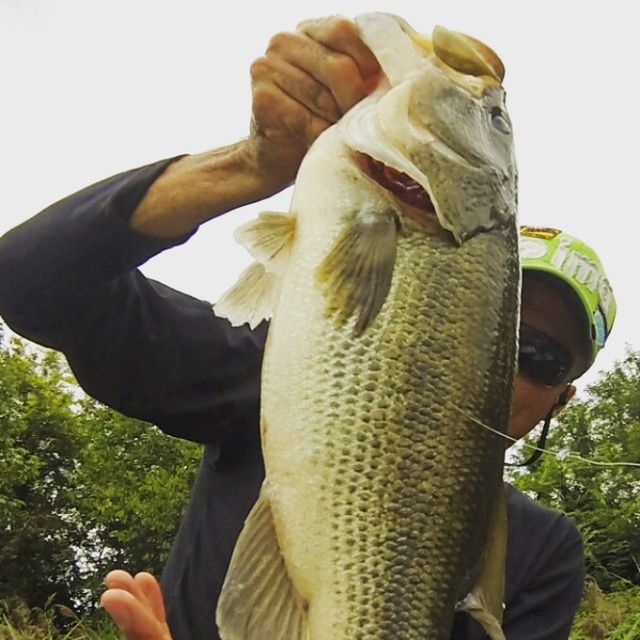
(69, 280)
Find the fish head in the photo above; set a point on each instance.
(436, 132)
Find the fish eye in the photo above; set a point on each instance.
(499, 121)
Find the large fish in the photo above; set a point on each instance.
(392, 288)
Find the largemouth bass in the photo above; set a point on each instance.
(392, 287)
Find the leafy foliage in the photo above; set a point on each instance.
(38, 452)
(18, 621)
(82, 488)
(603, 500)
(131, 487)
(614, 616)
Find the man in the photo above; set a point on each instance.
(68, 280)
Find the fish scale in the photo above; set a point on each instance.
(404, 477)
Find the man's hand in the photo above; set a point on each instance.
(305, 81)
(136, 605)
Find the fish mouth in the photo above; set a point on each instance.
(399, 184)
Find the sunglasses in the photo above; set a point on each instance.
(541, 358)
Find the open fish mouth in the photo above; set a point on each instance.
(402, 186)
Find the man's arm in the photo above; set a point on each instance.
(68, 280)
(68, 277)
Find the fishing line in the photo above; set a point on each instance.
(559, 456)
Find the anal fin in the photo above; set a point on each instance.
(258, 599)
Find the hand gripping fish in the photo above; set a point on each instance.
(392, 288)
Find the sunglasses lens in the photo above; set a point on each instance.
(541, 358)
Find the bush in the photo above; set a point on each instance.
(613, 616)
(83, 489)
(18, 621)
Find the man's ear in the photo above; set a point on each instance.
(563, 399)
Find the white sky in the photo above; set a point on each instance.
(93, 87)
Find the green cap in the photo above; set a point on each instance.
(557, 253)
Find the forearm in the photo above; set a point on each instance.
(67, 253)
(200, 187)
(68, 279)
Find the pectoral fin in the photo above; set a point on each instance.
(258, 600)
(484, 602)
(252, 299)
(355, 276)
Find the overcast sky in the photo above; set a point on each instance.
(94, 87)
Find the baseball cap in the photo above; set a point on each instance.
(564, 256)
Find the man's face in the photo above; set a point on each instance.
(544, 310)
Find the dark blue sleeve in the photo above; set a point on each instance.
(69, 280)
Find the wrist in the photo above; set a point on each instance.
(265, 167)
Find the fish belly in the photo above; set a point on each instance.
(380, 478)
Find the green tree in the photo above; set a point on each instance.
(132, 483)
(603, 500)
(38, 449)
(82, 488)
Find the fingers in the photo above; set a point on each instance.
(323, 65)
(331, 74)
(304, 83)
(276, 72)
(134, 619)
(136, 605)
(119, 604)
(279, 116)
(124, 581)
(341, 35)
(151, 590)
